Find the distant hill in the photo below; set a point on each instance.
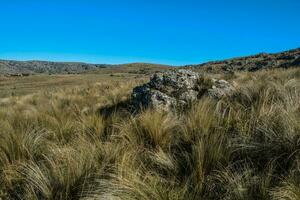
(260, 61)
(10, 67)
(32, 67)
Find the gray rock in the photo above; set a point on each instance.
(144, 96)
(167, 90)
(188, 96)
(180, 79)
(174, 82)
(220, 89)
(161, 101)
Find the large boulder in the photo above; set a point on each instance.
(170, 89)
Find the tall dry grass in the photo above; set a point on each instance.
(84, 143)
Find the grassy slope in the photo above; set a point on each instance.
(58, 145)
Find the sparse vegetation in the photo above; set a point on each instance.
(59, 145)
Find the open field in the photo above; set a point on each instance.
(75, 137)
(17, 86)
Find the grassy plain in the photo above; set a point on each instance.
(18, 86)
(74, 137)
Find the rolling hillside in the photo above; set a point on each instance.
(10, 67)
(32, 67)
(287, 59)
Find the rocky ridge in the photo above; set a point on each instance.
(287, 59)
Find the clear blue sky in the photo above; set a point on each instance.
(161, 31)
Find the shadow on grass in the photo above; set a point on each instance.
(123, 108)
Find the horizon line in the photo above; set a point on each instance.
(137, 62)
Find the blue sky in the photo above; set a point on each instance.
(159, 31)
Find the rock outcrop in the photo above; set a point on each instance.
(177, 88)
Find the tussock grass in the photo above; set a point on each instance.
(58, 145)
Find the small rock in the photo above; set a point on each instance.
(220, 89)
(161, 101)
(189, 96)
